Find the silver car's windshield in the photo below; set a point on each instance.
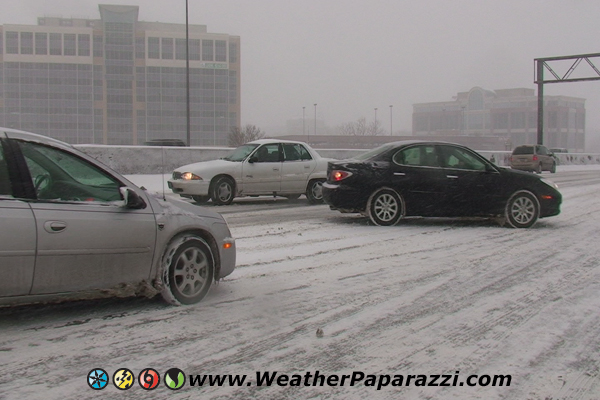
(241, 152)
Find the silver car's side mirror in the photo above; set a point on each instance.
(132, 199)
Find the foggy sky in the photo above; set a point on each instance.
(350, 57)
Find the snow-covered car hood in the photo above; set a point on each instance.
(174, 206)
(207, 167)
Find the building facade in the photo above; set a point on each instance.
(117, 80)
(510, 115)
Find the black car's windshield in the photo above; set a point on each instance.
(241, 152)
(374, 153)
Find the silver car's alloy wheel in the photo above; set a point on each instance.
(188, 270)
(385, 207)
(522, 210)
(315, 191)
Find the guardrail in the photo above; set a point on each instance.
(158, 160)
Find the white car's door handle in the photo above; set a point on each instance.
(275, 169)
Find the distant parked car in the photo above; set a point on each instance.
(533, 158)
(165, 142)
(262, 167)
(72, 228)
(435, 179)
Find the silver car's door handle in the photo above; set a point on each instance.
(306, 166)
(275, 169)
(452, 176)
(54, 226)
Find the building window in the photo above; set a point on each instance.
(220, 50)
(26, 42)
(167, 48)
(207, 50)
(153, 47)
(12, 42)
(83, 42)
(98, 42)
(70, 44)
(180, 49)
(195, 49)
(233, 52)
(140, 47)
(476, 100)
(41, 43)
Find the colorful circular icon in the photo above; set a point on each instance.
(174, 379)
(123, 379)
(97, 379)
(149, 379)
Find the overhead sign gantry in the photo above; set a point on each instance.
(547, 63)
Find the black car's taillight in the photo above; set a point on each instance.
(336, 175)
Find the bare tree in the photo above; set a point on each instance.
(239, 136)
(361, 128)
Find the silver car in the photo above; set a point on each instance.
(72, 228)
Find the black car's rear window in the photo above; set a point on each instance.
(523, 150)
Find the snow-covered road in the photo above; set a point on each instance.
(426, 297)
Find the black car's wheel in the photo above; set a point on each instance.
(200, 199)
(222, 192)
(522, 210)
(314, 191)
(188, 270)
(553, 168)
(538, 169)
(385, 207)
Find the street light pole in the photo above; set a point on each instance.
(315, 119)
(391, 131)
(303, 124)
(187, 75)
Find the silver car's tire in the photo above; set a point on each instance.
(522, 210)
(314, 191)
(188, 270)
(222, 191)
(553, 168)
(538, 169)
(385, 207)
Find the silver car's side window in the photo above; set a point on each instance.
(59, 175)
(5, 186)
(268, 153)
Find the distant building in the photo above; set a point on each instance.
(507, 114)
(117, 80)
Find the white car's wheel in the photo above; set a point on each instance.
(314, 191)
(188, 270)
(223, 191)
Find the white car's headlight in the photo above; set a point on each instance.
(550, 183)
(189, 176)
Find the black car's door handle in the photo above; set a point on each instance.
(452, 176)
(399, 174)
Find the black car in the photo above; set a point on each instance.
(436, 179)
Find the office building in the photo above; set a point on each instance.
(510, 115)
(117, 80)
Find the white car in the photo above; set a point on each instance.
(262, 167)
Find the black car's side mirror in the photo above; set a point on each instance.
(132, 199)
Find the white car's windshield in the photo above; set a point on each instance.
(241, 152)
